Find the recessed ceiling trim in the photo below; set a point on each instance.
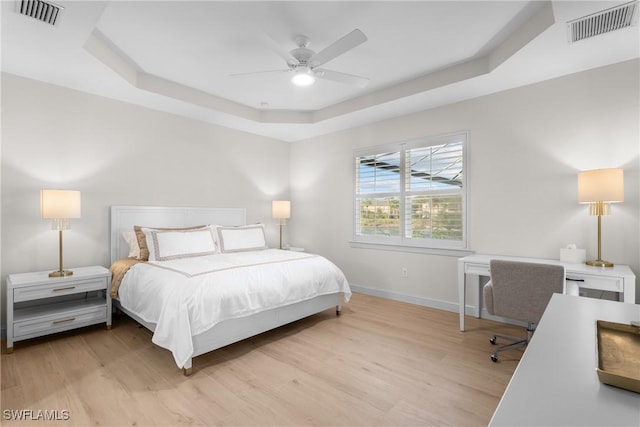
(104, 50)
(43, 11)
(615, 18)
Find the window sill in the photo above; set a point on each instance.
(413, 249)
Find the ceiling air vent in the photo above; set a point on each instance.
(598, 23)
(41, 10)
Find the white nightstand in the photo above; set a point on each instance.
(39, 305)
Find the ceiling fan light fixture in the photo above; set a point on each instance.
(303, 76)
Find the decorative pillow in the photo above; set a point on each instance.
(173, 244)
(142, 239)
(132, 240)
(246, 238)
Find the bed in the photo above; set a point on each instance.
(172, 294)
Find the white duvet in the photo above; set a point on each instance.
(186, 297)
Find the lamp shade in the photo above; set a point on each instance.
(601, 185)
(59, 204)
(281, 209)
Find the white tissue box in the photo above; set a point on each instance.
(574, 256)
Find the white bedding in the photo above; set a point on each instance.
(186, 297)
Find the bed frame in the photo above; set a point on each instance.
(123, 218)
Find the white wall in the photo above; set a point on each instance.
(118, 154)
(526, 147)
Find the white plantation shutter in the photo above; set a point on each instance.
(434, 192)
(378, 194)
(412, 193)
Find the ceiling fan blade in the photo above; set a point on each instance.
(277, 48)
(259, 73)
(348, 42)
(339, 77)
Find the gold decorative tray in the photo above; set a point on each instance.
(619, 355)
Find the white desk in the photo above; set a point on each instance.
(619, 278)
(556, 382)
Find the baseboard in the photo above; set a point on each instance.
(485, 315)
(411, 299)
(431, 303)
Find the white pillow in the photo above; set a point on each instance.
(173, 244)
(132, 240)
(246, 238)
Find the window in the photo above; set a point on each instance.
(412, 193)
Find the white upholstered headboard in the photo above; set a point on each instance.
(123, 218)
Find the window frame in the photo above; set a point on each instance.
(401, 242)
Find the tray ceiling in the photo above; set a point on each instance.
(178, 56)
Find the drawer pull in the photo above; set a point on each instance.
(574, 280)
(64, 289)
(71, 319)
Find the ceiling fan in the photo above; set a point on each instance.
(304, 62)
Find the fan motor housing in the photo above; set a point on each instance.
(302, 54)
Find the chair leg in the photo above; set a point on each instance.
(518, 342)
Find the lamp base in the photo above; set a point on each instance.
(61, 273)
(599, 263)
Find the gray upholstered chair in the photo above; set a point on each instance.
(521, 291)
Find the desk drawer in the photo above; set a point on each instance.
(477, 269)
(29, 293)
(57, 322)
(614, 284)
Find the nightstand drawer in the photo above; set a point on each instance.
(59, 322)
(67, 287)
(33, 309)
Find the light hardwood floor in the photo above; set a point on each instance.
(381, 363)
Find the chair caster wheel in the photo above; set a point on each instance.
(493, 340)
(494, 358)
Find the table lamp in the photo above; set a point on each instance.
(599, 188)
(281, 210)
(60, 206)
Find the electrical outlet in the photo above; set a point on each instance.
(405, 273)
